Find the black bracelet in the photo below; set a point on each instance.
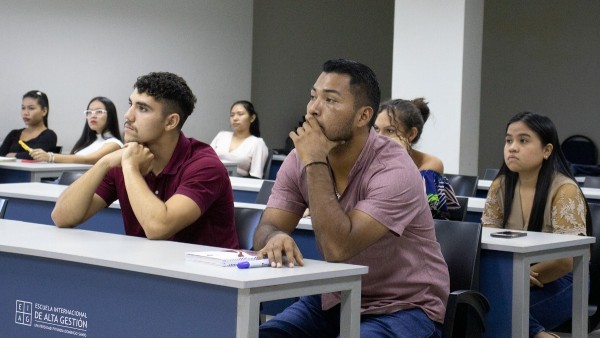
(313, 163)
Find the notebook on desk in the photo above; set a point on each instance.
(225, 257)
(7, 159)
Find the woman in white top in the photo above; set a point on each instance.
(100, 136)
(243, 145)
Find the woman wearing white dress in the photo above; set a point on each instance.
(100, 136)
(243, 145)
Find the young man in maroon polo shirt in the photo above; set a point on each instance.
(169, 187)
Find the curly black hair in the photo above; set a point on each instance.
(169, 89)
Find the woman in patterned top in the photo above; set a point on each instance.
(535, 191)
(403, 120)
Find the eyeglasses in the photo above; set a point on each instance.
(97, 112)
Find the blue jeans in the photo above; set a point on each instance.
(305, 318)
(551, 305)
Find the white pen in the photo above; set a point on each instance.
(259, 263)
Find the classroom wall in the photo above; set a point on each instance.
(292, 39)
(541, 56)
(74, 50)
(437, 55)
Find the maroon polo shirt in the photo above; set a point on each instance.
(194, 171)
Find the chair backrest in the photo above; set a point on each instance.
(3, 203)
(459, 214)
(267, 168)
(460, 243)
(246, 222)
(463, 185)
(580, 149)
(490, 174)
(592, 182)
(264, 192)
(68, 177)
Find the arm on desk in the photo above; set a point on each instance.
(79, 201)
(92, 158)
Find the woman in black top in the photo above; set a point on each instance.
(34, 111)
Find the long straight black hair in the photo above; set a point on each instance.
(556, 162)
(88, 136)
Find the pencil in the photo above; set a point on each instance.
(24, 146)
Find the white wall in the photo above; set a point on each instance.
(74, 50)
(437, 55)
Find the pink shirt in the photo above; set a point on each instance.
(195, 171)
(406, 266)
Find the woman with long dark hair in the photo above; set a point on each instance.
(535, 191)
(100, 135)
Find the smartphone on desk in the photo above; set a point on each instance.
(508, 234)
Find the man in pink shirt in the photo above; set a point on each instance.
(367, 206)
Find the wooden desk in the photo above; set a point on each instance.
(12, 172)
(106, 285)
(504, 260)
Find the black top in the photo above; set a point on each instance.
(46, 141)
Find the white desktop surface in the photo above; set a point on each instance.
(166, 258)
(42, 166)
(534, 241)
(245, 183)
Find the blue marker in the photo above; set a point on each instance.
(259, 263)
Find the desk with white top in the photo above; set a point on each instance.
(33, 202)
(502, 260)
(504, 278)
(592, 194)
(18, 171)
(86, 283)
(245, 189)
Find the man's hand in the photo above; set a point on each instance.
(311, 143)
(137, 156)
(279, 244)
